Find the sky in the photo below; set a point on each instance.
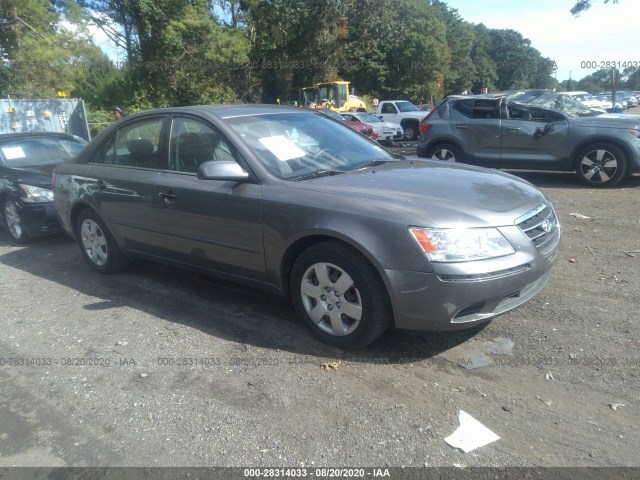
(606, 32)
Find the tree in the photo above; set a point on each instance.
(39, 54)
(583, 5)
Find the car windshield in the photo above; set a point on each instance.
(407, 107)
(300, 145)
(332, 114)
(367, 118)
(34, 151)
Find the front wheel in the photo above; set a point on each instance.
(411, 131)
(13, 222)
(97, 244)
(339, 296)
(601, 165)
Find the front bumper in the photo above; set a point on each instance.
(38, 218)
(391, 135)
(456, 296)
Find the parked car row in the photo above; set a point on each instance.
(292, 201)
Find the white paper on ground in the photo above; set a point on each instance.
(471, 434)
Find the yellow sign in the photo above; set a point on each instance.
(10, 109)
(62, 93)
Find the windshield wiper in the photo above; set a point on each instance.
(318, 174)
(375, 163)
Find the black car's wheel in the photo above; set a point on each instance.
(411, 131)
(13, 222)
(445, 151)
(339, 295)
(97, 244)
(601, 165)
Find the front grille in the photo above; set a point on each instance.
(542, 227)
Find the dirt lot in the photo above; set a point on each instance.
(158, 367)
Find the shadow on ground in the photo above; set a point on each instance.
(233, 312)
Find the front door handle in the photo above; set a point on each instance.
(513, 129)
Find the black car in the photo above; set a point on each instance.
(26, 165)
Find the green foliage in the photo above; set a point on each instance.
(582, 5)
(183, 52)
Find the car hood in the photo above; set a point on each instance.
(610, 120)
(433, 193)
(39, 175)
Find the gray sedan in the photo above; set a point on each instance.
(292, 201)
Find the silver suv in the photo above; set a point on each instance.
(535, 130)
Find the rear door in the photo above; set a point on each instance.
(475, 123)
(121, 179)
(534, 137)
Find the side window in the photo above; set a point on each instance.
(465, 107)
(388, 108)
(137, 144)
(485, 109)
(106, 152)
(192, 143)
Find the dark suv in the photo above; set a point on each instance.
(535, 130)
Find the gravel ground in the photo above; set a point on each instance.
(161, 367)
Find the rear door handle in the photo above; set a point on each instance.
(513, 129)
(168, 196)
(462, 126)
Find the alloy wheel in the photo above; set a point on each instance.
(94, 242)
(331, 299)
(14, 222)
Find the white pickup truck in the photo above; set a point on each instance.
(404, 113)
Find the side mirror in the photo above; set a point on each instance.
(222, 170)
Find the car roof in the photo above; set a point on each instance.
(7, 137)
(227, 110)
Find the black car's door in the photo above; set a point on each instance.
(121, 181)
(534, 137)
(208, 223)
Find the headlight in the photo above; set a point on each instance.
(36, 194)
(461, 244)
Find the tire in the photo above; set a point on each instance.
(411, 131)
(97, 245)
(601, 165)
(340, 296)
(13, 222)
(446, 152)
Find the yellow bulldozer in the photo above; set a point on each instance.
(332, 95)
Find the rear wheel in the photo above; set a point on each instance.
(446, 152)
(601, 165)
(97, 244)
(13, 222)
(339, 296)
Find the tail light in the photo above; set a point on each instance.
(424, 126)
